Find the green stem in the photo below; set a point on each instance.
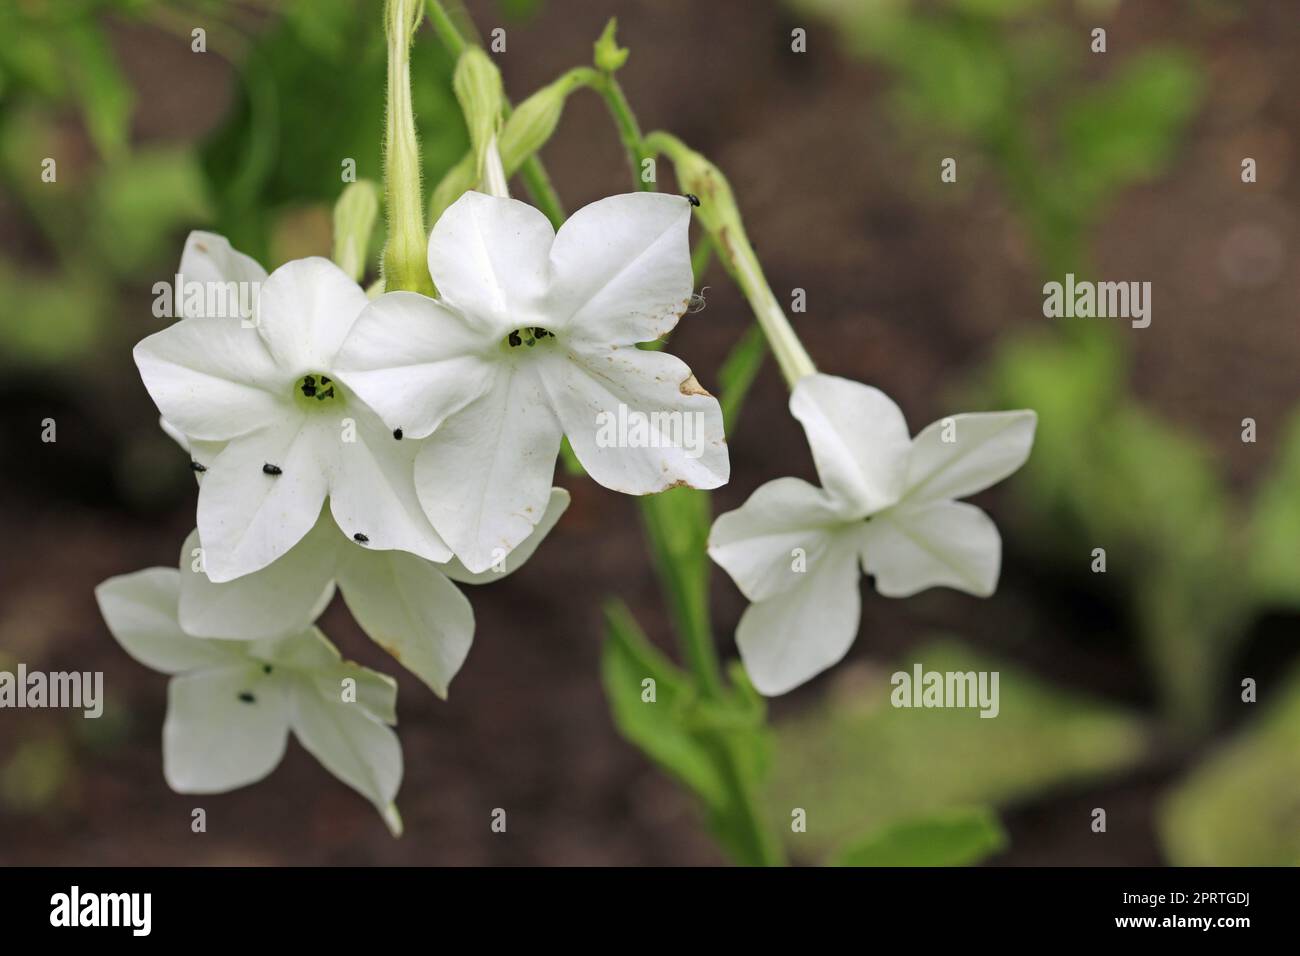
(685, 581)
(629, 131)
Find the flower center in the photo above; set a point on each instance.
(316, 390)
(528, 335)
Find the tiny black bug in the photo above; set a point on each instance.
(270, 469)
(397, 433)
(247, 698)
(266, 668)
(360, 538)
(693, 199)
(195, 466)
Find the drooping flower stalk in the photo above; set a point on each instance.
(718, 214)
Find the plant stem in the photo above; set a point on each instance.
(685, 577)
(719, 215)
(405, 263)
(629, 131)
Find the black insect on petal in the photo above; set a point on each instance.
(247, 698)
(270, 469)
(693, 199)
(196, 467)
(360, 538)
(397, 433)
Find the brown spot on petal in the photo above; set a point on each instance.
(690, 386)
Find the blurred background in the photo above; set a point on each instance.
(1120, 690)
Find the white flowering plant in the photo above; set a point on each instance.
(396, 440)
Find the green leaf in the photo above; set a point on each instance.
(101, 91)
(677, 525)
(267, 156)
(1274, 530)
(659, 727)
(142, 201)
(738, 373)
(1127, 128)
(1238, 808)
(956, 837)
(853, 759)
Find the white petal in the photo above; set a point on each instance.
(410, 609)
(350, 743)
(209, 259)
(212, 379)
(488, 258)
(312, 654)
(938, 544)
(248, 518)
(375, 692)
(414, 361)
(285, 597)
(484, 477)
(637, 419)
(858, 438)
(786, 524)
(175, 434)
(984, 448)
(555, 507)
(225, 728)
(372, 491)
(797, 634)
(622, 269)
(305, 310)
(140, 611)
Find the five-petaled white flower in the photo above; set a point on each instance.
(407, 605)
(534, 337)
(231, 704)
(280, 431)
(793, 549)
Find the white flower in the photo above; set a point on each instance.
(404, 603)
(534, 337)
(231, 704)
(887, 502)
(280, 433)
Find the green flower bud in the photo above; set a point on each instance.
(354, 223)
(535, 119)
(609, 55)
(477, 83)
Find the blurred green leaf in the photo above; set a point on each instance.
(267, 155)
(852, 760)
(957, 837)
(738, 373)
(1241, 807)
(658, 728)
(677, 526)
(1126, 128)
(142, 202)
(50, 320)
(1274, 535)
(100, 89)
